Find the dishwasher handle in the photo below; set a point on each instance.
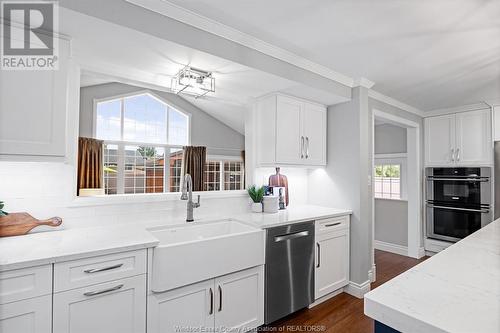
(295, 235)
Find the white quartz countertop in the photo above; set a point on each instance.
(291, 215)
(63, 245)
(457, 290)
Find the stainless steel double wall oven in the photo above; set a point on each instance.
(458, 201)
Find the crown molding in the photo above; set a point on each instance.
(393, 102)
(186, 16)
(458, 109)
(363, 82)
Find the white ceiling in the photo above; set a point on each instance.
(117, 53)
(429, 54)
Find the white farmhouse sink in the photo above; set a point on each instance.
(199, 251)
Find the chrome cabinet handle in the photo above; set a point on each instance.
(283, 238)
(332, 224)
(452, 155)
(96, 270)
(483, 211)
(307, 147)
(458, 154)
(220, 299)
(301, 147)
(319, 255)
(211, 302)
(99, 292)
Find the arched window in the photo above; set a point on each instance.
(143, 138)
(141, 118)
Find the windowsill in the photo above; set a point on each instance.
(118, 199)
(391, 199)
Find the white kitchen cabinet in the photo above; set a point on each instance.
(240, 299)
(289, 139)
(496, 126)
(314, 132)
(473, 138)
(289, 131)
(33, 315)
(33, 107)
(234, 301)
(332, 255)
(112, 307)
(181, 308)
(461, 139)
(440, 140)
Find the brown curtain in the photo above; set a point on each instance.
(243, 155)
(90, 168)
(194, 161)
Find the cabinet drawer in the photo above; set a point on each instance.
(80, 273)
(25, 283)
(33, 315)
(117, 306)
(332, 224)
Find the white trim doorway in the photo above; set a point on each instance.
(414, 183)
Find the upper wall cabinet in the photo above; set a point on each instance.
(33, 105)
(290, 131)
(461, 139)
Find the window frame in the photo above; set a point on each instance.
(393, 159)
(121, 144)
(221, 159)
(96, 101)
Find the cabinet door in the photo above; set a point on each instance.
(332, 262)
(440, 140)
(183, 308)
(289, 142)
(239, 301)
(474, 143)
(33, 109)
(28, 316)
(113, 307)
(314, 125)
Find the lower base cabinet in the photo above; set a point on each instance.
(332, 255)
(231, 303)
(112, 307)
(27, 316)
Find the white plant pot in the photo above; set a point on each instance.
(257, 207)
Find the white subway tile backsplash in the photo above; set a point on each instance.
(47, 189)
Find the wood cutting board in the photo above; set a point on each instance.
(16, 224)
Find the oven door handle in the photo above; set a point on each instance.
(460, 179)
(482, 211)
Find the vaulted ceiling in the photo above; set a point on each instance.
(430, 54)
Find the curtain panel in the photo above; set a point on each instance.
(194, 161)
(90, 164)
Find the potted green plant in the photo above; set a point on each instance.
(256, 194)
(2, 213)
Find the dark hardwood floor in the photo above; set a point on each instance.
(344, 313)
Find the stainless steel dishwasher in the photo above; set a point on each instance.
(289, 270)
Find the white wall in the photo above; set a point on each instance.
(344, 182)
(390, 139)
(391, 221)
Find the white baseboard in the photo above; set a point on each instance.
(356, 289)
(421, 252)
(372, 274)
(389, 247)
